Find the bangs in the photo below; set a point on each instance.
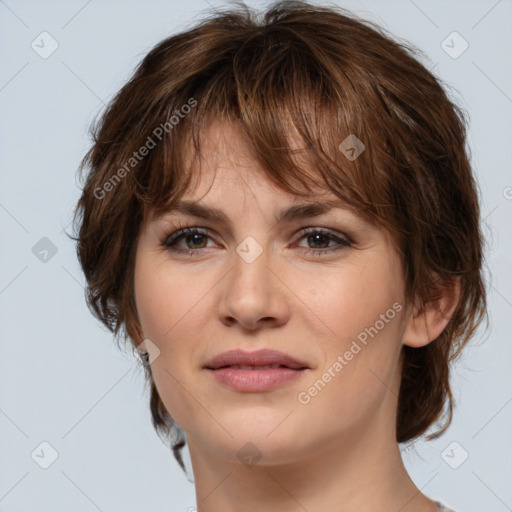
(294, 113)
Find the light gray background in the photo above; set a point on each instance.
(63, 381)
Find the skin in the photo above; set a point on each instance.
(337, 452)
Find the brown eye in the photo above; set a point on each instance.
(322, 242)
(319, 239)
(194, 239)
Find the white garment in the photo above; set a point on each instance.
(442, 508)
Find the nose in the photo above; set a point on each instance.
(253, 295)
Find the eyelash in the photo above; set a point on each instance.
(171, 240)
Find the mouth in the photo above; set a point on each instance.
(258, 360)
(258, 371)
(256, 367)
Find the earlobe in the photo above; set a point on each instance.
(427, 321)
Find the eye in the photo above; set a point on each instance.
(194, 239)
(320, 240)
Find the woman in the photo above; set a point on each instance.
(280, 214)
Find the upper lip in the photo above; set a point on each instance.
(257, 358)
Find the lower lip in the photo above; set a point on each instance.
(255, 380)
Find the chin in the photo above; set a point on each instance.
(273, 442)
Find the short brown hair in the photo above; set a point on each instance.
(327, 75)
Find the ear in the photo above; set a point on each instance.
(427, 321)
(132, 324)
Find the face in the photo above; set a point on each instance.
(326, 289)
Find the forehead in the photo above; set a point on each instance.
(228, 162)
(223, 170)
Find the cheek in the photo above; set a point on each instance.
(171, 307)
(362, 313)
(353, 301)
(164, 305)
(166, 299)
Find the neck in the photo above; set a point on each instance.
(362, 472)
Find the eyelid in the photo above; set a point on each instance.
(178, 233)
(341, 240)
(179, 228)
(333, 233)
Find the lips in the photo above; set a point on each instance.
(256, 367)
(258, 360)
(255, 372)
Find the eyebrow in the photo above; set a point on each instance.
(288, 214)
